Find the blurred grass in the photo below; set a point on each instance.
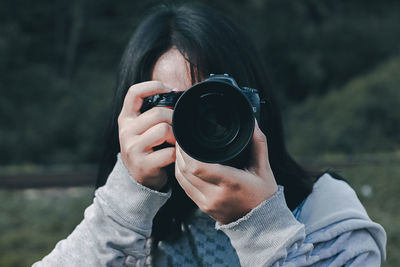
(33, 221)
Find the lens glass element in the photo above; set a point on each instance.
(216, 124)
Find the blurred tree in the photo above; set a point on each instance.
(58, 61)
(361, 117)
(312, 46)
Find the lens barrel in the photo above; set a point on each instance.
(213, 122)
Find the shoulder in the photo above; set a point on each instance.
(333, 209)
(331, 201)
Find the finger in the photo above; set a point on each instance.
(152, 117)
(259, 149)
(190, 190)
(156, 135)
(201, 184)
(211, 173)
(161, 158)
(134, 97)
(137, 126)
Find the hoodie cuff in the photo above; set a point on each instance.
(265, 230)
(130, 201)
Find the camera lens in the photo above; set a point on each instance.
(216, 125)
(213, 122)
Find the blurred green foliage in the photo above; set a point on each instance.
(58, 61)
(33, 221)
(361, 117)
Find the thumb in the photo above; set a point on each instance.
(259, 157)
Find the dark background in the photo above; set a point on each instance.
(335, 65)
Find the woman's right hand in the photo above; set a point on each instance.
(140, 132)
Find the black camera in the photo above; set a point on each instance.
(213, 121)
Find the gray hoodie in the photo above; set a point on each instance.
(330, 228)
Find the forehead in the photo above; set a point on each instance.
(173, 70)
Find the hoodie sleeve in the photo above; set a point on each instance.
(115, 227)
(271, 236)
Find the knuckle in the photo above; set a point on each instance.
(178, 174)
(172, 154)
(194, 169)
(206, 208)
(128, 150)
(216, 199)
(161, 113)
(180, 167)
(158, 84)
(261, 136)
(142, 172)
(157, 112)
(164, 128)
(139, 164)
(184, 170)
(131, 94)
(123, 148)
(198, 171)
(132, 89)
(122, 133)
(211, 206)
(131, 148)
(233, 186)
(119, 119)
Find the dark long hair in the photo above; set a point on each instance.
(212, 44)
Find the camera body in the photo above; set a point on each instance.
(213, 121)
(169, 100)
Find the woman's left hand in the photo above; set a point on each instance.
(223, 192)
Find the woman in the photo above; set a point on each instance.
(161, 207)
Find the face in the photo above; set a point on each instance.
(173, 70)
